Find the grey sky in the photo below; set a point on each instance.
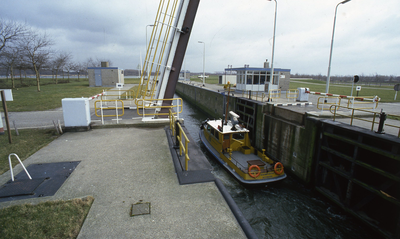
(236, 32)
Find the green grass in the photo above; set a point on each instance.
(57, 219)
(28, 142)
(386, 93)
(50, 96)
(132, 80)
(210, 80)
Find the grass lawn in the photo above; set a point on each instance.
(50, 96)
(28, 142)
(57, 219)
(386, 93)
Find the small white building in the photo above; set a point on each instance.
(105, 76)
(259, 79)
(224, 79)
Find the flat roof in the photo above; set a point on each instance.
(256, 69)
(113, 68)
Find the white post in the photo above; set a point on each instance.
(101, 110)
(116, 109)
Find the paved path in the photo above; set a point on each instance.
(120, 167)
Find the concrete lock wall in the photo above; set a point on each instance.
(210, 102)
(285, 135)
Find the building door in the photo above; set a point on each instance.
(97, 77)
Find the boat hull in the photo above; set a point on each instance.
(215, 154)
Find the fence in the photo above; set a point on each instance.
(104, 106)
(154, 104)
(179, 134)
(374, 115)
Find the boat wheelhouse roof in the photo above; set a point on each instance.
(227, 129)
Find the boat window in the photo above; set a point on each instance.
(208, 127)
(226, 136)
(238, 136)
(212, 130)
(216, 134)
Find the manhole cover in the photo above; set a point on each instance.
(140, 208)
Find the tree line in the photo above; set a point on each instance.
(364, 79)
(23, 49)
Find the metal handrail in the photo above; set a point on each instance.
(183, 148)
(274, 94)
(152, 104)
(373, 122)
(11, 169)
(337, 103)
(292, 94)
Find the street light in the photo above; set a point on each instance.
(204, 62)
(273, 44)
(146, 34)
(330, 54)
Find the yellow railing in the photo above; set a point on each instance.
(325, 102)
(122, 95)
(153, 104)
(274, 94)
(115, 107)
(374, 115)
(157, 47)
(292, 94)
(254, 94)
(183, 146)
(352, 102)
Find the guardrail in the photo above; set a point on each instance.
(112, 107)
(292, 94)
(382, 116)
(153, 104)
(274, 94)
(124, 95)
(179, 134)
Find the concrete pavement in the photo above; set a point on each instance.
(122, 166)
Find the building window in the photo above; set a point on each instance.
(262, 77)
(249, 79)
(256, 78)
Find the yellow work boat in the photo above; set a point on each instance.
(229, 143)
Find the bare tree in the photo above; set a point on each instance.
(10, 57)
(69, 66)
(10, 31)
(60, 61)
(36, 48)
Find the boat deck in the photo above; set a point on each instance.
(242, 160)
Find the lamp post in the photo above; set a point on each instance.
(204, 62)
(273, 44)
(146, 34)
(330, 54)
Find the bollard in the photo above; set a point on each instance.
(382, 118)
(176, 135)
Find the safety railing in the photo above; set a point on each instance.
(254, 95)
(128, 96)
(118, 105)
(325, 102)
(157, 107)
(180, 136)
(381, 123)
(292, 94)
(11, 169)
(366, 102)
(275, 94)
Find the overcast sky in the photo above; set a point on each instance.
(236, 32)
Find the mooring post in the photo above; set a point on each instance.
(176, 135)
(382, 118)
